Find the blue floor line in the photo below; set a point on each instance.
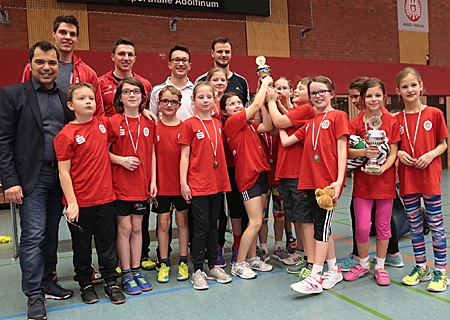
(143, 295)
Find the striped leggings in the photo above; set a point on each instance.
(433, 207)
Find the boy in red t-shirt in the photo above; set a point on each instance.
(85, 173)
(168, 153)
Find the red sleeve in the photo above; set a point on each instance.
(301, 115)
(301, 133)
(26, 74)
(63, 147)
(441, 130)
(236, 123)
(341, 126)
(186, 135)
(353, 125)
(395, 131)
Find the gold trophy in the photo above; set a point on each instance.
(263, 69)
(374, 138)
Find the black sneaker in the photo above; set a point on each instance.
(88, 294)
(114, 293)
(36, 309)
(56, 292)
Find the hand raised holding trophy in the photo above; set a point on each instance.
(263, 69)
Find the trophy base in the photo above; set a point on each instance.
(373, 169)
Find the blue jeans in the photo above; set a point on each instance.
(40, 214)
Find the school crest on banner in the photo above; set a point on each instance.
(412, 15)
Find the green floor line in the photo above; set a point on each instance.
(359, 305)
(426, 293)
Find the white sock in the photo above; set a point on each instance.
(380, 263)
(364, 262)
(278, 244)
(442, 270)
(264, 247)
(316, 271)
(331, 263)
(423, 266)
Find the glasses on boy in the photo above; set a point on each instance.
(173, 103)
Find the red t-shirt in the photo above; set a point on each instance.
(375, 187)
(168, 154)
(300, 115)
(202, 177)
(86, 146)
(270, 144)
(290, 157)
(133, 185)
(431, 130)
(249, 157)
(320, 174)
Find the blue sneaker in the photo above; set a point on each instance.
(220, 260)
(348, 263)
(130, 286)
(393, 262)
(142, 282)
(234, 254)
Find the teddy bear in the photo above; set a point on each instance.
(324, 198)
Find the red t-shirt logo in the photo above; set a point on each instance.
(413, 9)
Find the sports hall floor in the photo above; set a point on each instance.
(267, 297)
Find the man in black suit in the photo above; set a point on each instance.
(31, 114)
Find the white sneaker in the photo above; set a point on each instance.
(293, 258)
(243, 270)
(308, 286)
(219, 275)
(199, 280)
(259, 265)
(331, 278)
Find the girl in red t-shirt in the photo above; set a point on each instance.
(218, 79)
(203, 180)
(371, 187)
(287, 172)
(423, 133)
(251, 169)
(324, 164)
(134, 178)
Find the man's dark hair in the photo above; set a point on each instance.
(44, 46)
(220, 40)
(70, 19)
(122, 40)
(179, 47)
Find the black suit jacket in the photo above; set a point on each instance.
(22, 135)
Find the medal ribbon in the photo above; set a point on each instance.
(314, 143)
(214, 148)
(412, 145)
(135, 147)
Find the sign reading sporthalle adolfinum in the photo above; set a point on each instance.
(413, 15)
(247, 7)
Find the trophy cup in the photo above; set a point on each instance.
(374, 138)
(263, 69)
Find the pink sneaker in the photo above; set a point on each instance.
(357, 272)
(382, 277)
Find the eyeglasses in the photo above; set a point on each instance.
(76, 225)
(321, 93)
(178, 60)
(127, 92)
(165, 102)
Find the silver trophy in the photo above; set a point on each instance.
(263, 69)
(374, 138)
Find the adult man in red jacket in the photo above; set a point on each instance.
(124, 56)
(71, 68)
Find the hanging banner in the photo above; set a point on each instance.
(412, 15)
(247, 7)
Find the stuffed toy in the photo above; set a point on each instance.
(324, 199)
